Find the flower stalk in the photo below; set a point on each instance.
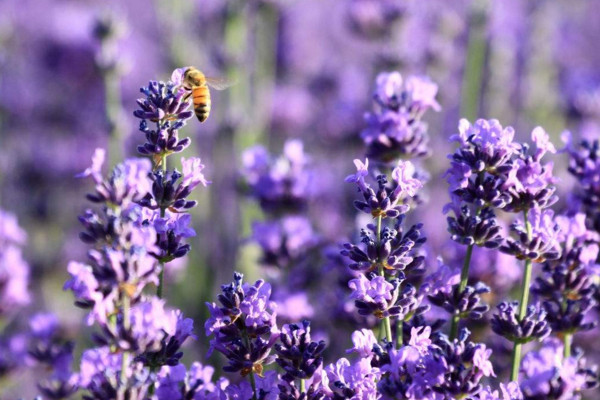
(516, 356)
(464, 278)
(386, 325)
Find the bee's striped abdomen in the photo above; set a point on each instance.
(201, 97)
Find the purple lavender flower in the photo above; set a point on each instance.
(171, 230)
(10, 231)
(296, 353)
(566, 285)
(128, 182)
(476, 178)
(376, 296)
(97, 285)
(529, 182)
(484, 146)
(123, 263)
(468, 228)
(166, 106)
(356, 380)
(545, 374)
(569, 296)
(100, 375)
(467, 363)
(413, 370)
(396, 251)
(386, 201)
(14, 279)
(279, 185)
(584, 165)
(266, 388)
(364, 340)
(533, 326)
(543, 244)
(510, 391)
(442, 279)
(171, 340)
(244, 328)
(170, 190)
(175, 383)
(13, 352)
(467, 304)
(395, 128)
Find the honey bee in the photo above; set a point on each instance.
(197, 83)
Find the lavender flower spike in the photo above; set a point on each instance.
(387, 201)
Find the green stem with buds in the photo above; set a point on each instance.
(464, 278)
(567, 340)
(126, 325)
(516, 356)
(252, 379)
(386, 320)
(161, 276)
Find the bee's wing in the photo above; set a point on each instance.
(219, 83)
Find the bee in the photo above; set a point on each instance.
(197, 83)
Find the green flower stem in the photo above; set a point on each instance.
(399, 333)
(386, 320)
(567, 341)
(464, 278)
(126, 325)
(161, 276)
(302, 386)
(252, 379)
(516, 356)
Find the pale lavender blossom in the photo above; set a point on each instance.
(364, 341)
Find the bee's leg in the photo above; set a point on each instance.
(187, 96)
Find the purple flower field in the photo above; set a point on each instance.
(299, 200)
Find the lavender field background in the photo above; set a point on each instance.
(307, 75)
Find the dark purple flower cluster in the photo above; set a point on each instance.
(395, 129)
(166, 106)
(537, 237)
(244, 326)
(387, 201)
(467, 304)
(397, 250)
(517, 329)
(584, 165)
(297, 355)
(170, 191)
